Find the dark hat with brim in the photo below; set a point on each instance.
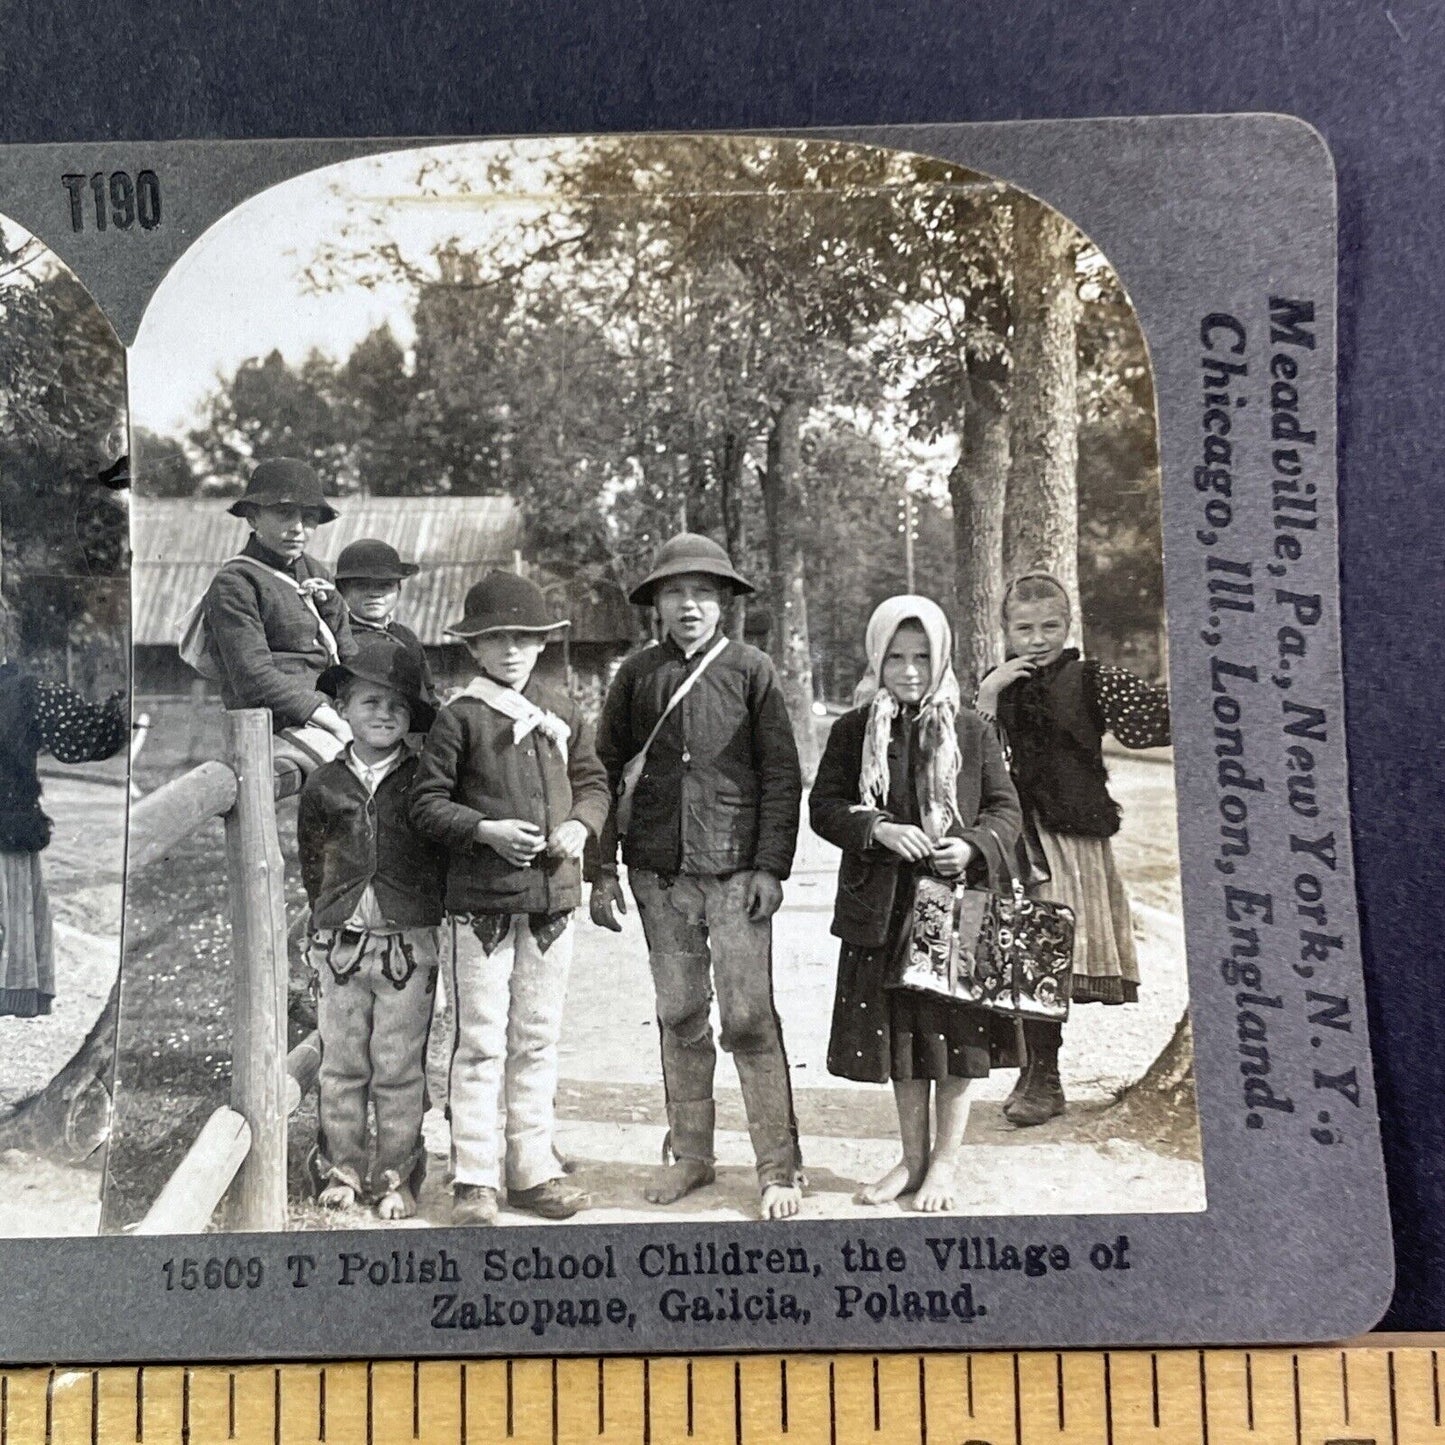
(382, 659)
(371, 560)
(283, 482)
(689, 552)
(505, 602)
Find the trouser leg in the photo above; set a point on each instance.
(403, 997)
(742, 962)
(534, 1025)
(677, 945)
(344, 1019)
(480, 996)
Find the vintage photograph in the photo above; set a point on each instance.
(65, 736)
(655, 659)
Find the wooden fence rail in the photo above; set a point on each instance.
(241, 1149)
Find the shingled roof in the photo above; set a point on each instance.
(179, 544)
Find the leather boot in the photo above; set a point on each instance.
(1041, 1096)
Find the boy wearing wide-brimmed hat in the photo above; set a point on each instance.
(511, 786)
(369, 574)
(375, 888)
(274, 618)
(698, 747)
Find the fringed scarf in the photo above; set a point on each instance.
(526, 716)
(937, 719)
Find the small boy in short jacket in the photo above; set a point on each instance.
(376, 909)
(274, 617)
(369, 576)
(510, 784)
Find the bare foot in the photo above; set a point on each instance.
(936, 1193)
(670, 1182)
(781, 1201)
(396, 1203)
(337, 1196)
(902, 1178)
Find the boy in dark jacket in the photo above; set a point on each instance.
(369, 574)
(510, 784)
(376, 906)
(714, 821)
(274, 618)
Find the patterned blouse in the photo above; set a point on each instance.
(1135, 711)
(74, 730)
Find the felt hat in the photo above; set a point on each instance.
(372, 560)
(384, 660)
(283, 481)
(505, 602)
(689, 552)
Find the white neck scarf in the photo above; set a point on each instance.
(525, 714)
(938, 712)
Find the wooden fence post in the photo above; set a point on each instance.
(259, 964)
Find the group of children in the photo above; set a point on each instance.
(474, 816)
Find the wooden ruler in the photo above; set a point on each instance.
(1385, 1391)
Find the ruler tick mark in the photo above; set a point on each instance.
(230, 1405)
(94, 1408)
(4, 1410)
(370, 1403)
(832, 1407)
(1018, 1405)
(783, 1395)
(877, 1399)
(509, 1399)
(463, 1411)
(185, 1407)
(1298, 1418)
(415, 1399)
(275, 1408)
(49, 1407)
(321, 1405)
(689, 1397)
(1154, 1385)
(1435, 1383)
(1394, 1411)
(140, 1403)
(1108, 1400)
(1345, 1383)
(968, 1383)
(1059, 1387)
(647, 1402)
(602, 1400)
(1203, 1400)
(646, 1434)
(1249, 1388)
(738, 1402)
(922, 1404)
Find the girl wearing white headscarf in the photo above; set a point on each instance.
(910, 782)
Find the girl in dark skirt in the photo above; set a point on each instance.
(910, 782)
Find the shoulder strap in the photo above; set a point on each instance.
(328, 637)
(683, 688)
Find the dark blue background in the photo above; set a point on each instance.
(1370, 77)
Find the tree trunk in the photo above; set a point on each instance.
(1041, 524)
(69, 1118)
(978, 484)
(791, 649)
(730, 475)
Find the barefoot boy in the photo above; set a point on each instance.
(376, 907)
(510, 785)
(714, 821)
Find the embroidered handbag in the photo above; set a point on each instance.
(1001, 951)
